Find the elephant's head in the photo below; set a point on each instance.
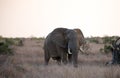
(70, 39)
(75, 40)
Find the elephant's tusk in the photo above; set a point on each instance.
(69, 51)
(82, 51)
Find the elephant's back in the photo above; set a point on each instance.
(59, 30)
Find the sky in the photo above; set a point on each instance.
(26, 18)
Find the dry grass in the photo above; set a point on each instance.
(112, 72)
(28, 62)
(9, 69)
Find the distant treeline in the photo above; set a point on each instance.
(102, 40)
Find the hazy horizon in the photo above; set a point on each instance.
(37, 18)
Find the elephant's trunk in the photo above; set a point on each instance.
(72, 49)
(75, 58)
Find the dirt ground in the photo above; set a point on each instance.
(28, 62)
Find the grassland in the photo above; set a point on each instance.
(28, 62)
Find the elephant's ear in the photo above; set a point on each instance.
(59, 39)
(80, 36)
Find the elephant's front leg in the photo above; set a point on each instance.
(64, 57)
(70, 58)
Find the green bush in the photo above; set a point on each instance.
(18, 42)
(101, 50)
(4, 48)
(109, 40)
(94, 40)
(9, 41)
(5, 44)
(107, 49)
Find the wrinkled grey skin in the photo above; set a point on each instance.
(58, 42)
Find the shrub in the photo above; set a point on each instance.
(94, 40)
(18, 42)
(107, 49)
(5, 44)
(101, 50)
(109, 40)
(4, 49)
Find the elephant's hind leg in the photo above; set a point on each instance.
(58, 59)
(46, 57)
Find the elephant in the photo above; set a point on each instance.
(115, 49)
(63, 44)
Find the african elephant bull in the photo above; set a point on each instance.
(63, 42)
